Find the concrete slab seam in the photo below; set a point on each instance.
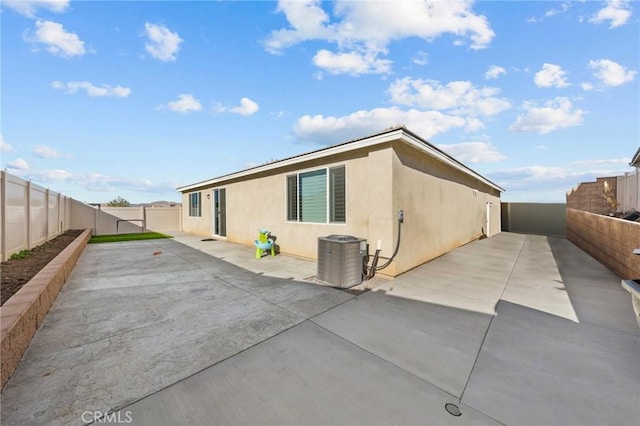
(400, 368)
(115, 409)
(262, 298)
(495, 309)
(234, 285)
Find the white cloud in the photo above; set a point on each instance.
(552, 12)
(99, 182)
(457, 97)
(185, 103)
(563, 8)
(52, 175)
(556, 114)
(96, 181)
(617, 12)
(586, 86)
(91, 89)
(494, 72)
(351, 63)
(363, 30)
(247, 107)
(5, 146)
(560, 178)
(522, 177)
(473, 152)
(18, 164)
(551, 75)
(624, 161)
(90, 181)
(307, 20)
(329, 130)
(420, 58)
(29, 7)
(58, 41)
(43, 151)
(611, 73)
(550, 183)
(162, 44)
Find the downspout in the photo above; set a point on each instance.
(489, 205)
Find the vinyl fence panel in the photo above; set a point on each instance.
(14, 214)
(535, 218)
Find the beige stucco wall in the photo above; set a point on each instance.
(443, 208)
(442, 211)
(202, 225)
(260, 203)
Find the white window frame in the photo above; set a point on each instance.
(327, 170)
(198, 207)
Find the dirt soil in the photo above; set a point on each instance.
(17, 272)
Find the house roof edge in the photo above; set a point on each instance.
(388, 135)
(635, 161)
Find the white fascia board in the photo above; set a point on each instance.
(395, 135)
(314, 155)
(635, 161)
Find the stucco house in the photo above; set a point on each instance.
(354, 188)
(635, 161)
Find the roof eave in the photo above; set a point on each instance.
(635, 162)
(321, 153)
(400, 134)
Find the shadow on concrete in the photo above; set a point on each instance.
(536, 368)
(595, 292)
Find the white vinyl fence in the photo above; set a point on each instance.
(31, 215)
(628, 190)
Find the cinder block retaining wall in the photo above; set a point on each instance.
(588, 195)
(609, 240)
(23, 313)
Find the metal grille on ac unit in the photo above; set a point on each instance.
(340, 260)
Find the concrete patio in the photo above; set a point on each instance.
(514, 329)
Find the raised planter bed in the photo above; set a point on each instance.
(22, 314)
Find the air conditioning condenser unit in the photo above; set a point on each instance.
(340, 260)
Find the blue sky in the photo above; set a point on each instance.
(135, 98)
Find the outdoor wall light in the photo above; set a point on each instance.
(208, 196)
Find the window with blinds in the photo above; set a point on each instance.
(317, 196)
(337, 195)
(195, 207)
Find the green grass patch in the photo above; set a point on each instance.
(127, 237)
(21, 254)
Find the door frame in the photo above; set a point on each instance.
(219, 209)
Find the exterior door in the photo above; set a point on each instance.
(219, 212)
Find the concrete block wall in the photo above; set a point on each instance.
(23, 313)
(607, 239)
(588, 195)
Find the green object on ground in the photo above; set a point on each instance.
(127, 237)
(21, 254)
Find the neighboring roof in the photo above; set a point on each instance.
(392, 134)
(635, 162)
